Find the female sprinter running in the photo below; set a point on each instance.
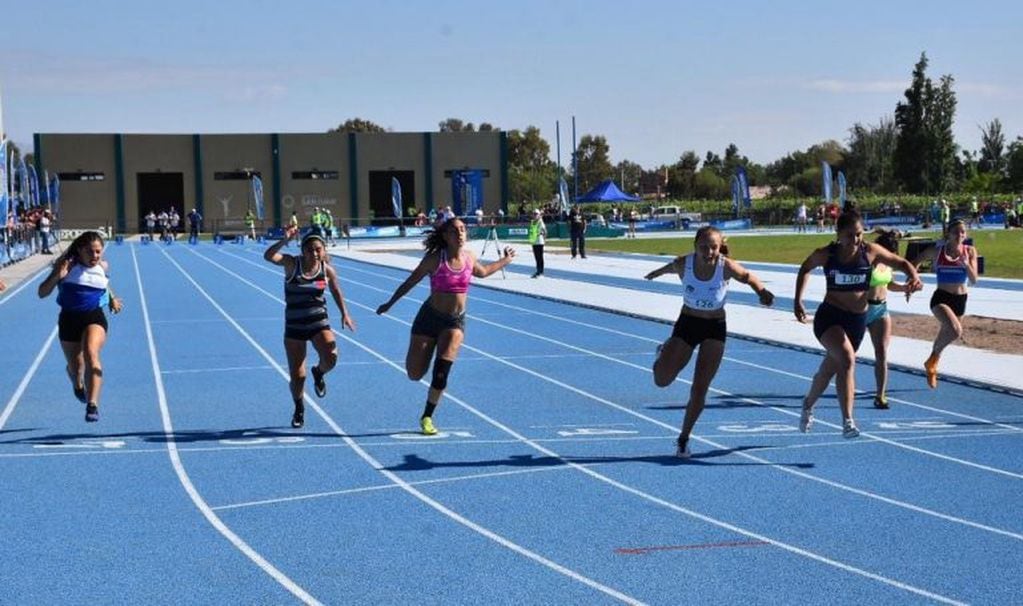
(701, 324)
(879, 324)
(955, 264)
(83, 289)
(440, 324)
(306, 277)
(841, 320)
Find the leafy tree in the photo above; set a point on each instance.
(714, 163)
(1014, 165)
(992, 148)
(486, 127)
(358, 125)
(531, 174)
(925, 150)
(592, 161)
(629, 176)
(707, 184)
(871, 151)
(454, 125)
(682, 175)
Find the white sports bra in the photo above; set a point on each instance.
(704, 295)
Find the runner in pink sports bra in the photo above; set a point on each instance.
(439, 326)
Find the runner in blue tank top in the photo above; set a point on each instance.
(306, 278)
(701, 323)
(841, 320)
(80, 276)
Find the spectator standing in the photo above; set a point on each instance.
(577, 225)
(537, 238)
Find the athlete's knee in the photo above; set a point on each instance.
(441, 369)
(330, 359)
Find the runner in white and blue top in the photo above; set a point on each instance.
(81, 277)
(307, 277)
(701, 323)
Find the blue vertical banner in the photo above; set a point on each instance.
(396, 197)
(736, 195)
(257, 195)
(23, 183)
(740, 174)
(466, 191)
(841, 189)
(4, 202)
(563, 194)
(826, 178)
(33, 186)
(53, 193)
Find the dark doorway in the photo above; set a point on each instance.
(159, 192)
(380, 194)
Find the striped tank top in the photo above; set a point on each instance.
(305, 302)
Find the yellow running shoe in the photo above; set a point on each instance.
(426, 424)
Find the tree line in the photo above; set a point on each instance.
(911, 151)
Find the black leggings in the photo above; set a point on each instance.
(538, 255)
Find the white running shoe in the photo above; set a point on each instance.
(806, 419)
(849, 429)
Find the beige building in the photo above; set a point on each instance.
(114, 179)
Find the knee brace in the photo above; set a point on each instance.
(441, 368)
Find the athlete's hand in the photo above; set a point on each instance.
(383, 309)
(63, 267)
(347, 322)
(800, 311)
(115, 305)
(509, 252)
(290, 232)
(766, 297)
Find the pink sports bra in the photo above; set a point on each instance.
(445, 279)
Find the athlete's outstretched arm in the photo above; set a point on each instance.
(735, 270)
(676, 266)
(339, 297)
(482, 271)
(425, 267)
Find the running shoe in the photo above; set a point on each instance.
(91, 413)
(849, 429)
(682, 448)
(806, 418)
(931, 367)
(426, 424)
(318, 383)
(881, 402)
(298, 419)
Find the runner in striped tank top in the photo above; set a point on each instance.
(307, 278)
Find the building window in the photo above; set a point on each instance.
(81, 176)
(315, 175)
(236, 175)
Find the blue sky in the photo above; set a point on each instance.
(655, 78)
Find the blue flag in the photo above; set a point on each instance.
(740, 174)
(257, 195)
(4, 202)
(736, 195)
(54, 194)
(841, 189)
(23, 182)
(396, 197)
(826, 177)
(563, 193)
(33, 186)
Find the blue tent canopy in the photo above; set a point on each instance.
(606, 191)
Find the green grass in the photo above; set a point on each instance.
(1002, 249)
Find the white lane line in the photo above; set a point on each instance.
(179, 468)
(10, 295)
(374, 463)
(334, 493)
(619, 485)
(185, 371)
(23, 385)
(959, 435)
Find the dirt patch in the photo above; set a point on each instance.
(994, 334)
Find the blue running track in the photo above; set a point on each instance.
(552, 481)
